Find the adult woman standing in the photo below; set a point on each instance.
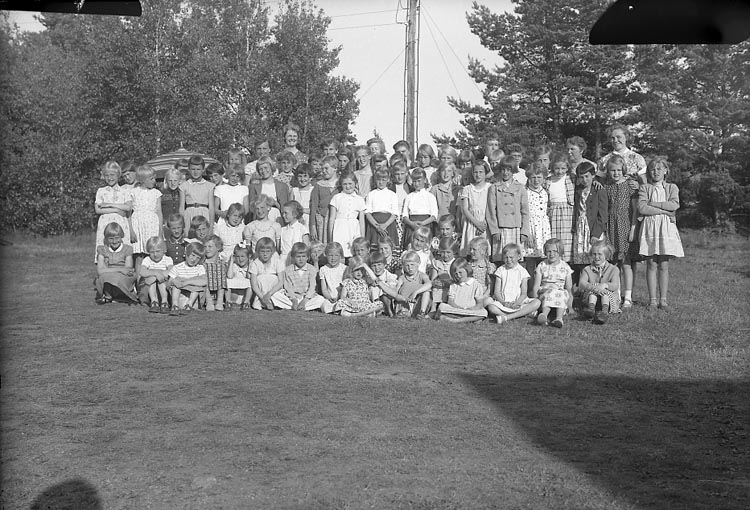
(620, 137)
(576, 147)
(291, 139)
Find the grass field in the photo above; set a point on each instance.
(112, 407)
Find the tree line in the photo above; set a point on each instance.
(214, 75)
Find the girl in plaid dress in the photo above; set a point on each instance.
(561, 198)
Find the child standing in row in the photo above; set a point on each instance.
(590, 214)
(510, 296)
(216, 274)
(302, 192)
(473, 199)
(320, 199)
(146, 220)
(621, 224)
(445, 192)
(233, 192)
(561, 199)
(420, 207)
(172, 198)
(381, 210)
(262, 226)
(346, 218)
(230, 229)
(539, 228)
(507, 213)
(293, 232)
(659, 238)
(113, 204)
(553, 284)
(198, 193)
(402, 190)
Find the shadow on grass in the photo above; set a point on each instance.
(75, 494)
(656, 444)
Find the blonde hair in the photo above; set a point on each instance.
(143, 172)
(111, 166)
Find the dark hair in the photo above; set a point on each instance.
(585, 167)
(197, 159)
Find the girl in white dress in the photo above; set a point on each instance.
(474, 204)
(112, 203)
(146, 218)
(660, 240)
(539, 227)
(346, 217)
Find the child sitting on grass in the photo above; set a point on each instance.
(384, 285)
(413, 288)
(265, 271)
(355, 300)
(154, 274)
(295, 289)
(553, 283)
(238, 278)
(440, 271)
(510, 297)
(114, 267)
(465, 296)
(600, 283)
(188, 280)
(331, 275)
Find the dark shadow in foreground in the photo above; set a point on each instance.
(76, 494)
(656, 444)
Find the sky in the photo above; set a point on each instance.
(373, 54)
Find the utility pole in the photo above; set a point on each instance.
(412, 74)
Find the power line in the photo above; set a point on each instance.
(437, 27)
(363, 26)
(361, 13)
(445, 64)
(381, 74)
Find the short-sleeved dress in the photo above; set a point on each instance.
(477, 205)
(216, 274)
(658, 232)
(357, 297)
(346, 227)
(508, 286)
(111, 195)
(125, 283)
(198, 196)
(561, 213)
(620, 199)
(552, 290)
(258, 229)
(465, 295)
(539, 227)
(333, 276)
(145, 219)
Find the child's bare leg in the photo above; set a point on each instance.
(193, 299)
(387, 305)
(424, 302)
(663, 277)
(153, 295)
(163, 292)
(453, 318)
(542, 317)
(176, 297)
(525, 310)
(626, 270)
(651, 281)
(209, 300)
(220, 299)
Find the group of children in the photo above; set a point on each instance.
(357, 233)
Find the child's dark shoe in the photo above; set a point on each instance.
(541, 319)
(245, 307)
(557, 323)
(175, 311)
(154, 308)
(589, 311)
(164, 308)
